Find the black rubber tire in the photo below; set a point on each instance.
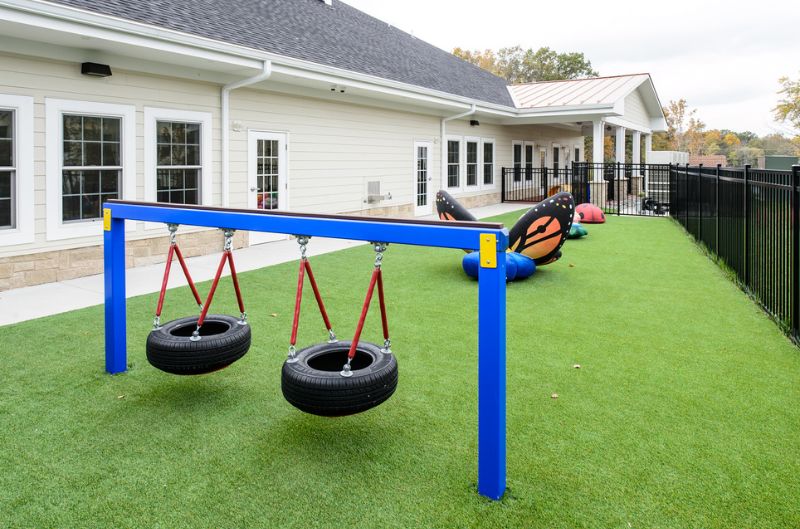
(329, 394)
(223, 341)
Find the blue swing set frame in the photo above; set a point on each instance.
(491, 239)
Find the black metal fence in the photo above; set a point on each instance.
(617, 188)
(750, 220)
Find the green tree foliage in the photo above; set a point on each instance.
(525, 66)
(788, 108)
(686, 132)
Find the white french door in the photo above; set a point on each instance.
(266, 177)
(422, 178)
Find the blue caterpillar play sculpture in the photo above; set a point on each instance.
(535, 240)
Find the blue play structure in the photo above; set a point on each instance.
(518, 266)
(489, 240)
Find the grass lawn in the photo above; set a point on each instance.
(684, 413)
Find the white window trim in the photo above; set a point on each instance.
(151, 116)
(54, 109)
(579, 148)
(23, 232)
(461, 165)
(479, 158)
(493, 185)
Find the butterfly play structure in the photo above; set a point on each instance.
(535, 240)
(330, 378)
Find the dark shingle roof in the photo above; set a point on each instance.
(341, 36)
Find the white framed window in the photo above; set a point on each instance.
(91, 157)
(577, 153)
(516, 154)
(453, 163)
(177, 156)
(487, 162)
(556, 157)
(16, 170)
(472, 161)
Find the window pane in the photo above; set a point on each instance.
(488, 173)
(472, 152)
(472, 175)
(91, 182)
(178, 155)
(6, 124)
(6, 150)
(488, 152)
(71, 208)
(164, 132)
(452, 176)
(193, 133)
(5, 184)
(91, 153)
(91, 128)
(5, 213)
(179, 133)
(192, 155)
(71, 183)
(73, 153)
(90, 207)
(190, 197)
(190, 179)
(517, 154)
(111, 154)
(73, 128)
(111, 129)
(109, 182)
(452, 152)
(164, 154)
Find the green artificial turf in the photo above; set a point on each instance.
(684, 411)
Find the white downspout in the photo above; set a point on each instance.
(443, 141)
(265, 74)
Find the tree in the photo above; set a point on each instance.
(525, 66)
(788, 108)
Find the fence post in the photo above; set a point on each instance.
(746, 271)
(503, 184)
(716, 210)
(618, 180)
(700, 202)
(686, 199)
(795, 202)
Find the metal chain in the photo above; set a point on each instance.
(302, 240)
(379, 248)
(228, 239)
(173, 234)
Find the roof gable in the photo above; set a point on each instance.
(338, 35)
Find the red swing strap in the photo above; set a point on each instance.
(173, 251)
(305, 268)
(377, 278)
(227, 256)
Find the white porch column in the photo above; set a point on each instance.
(648, 147)
(620, 150)
(598, 137)
(637, 147)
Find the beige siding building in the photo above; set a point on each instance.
(98, 104)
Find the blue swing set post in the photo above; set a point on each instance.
(489, 238)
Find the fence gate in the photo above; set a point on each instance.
(617, 188)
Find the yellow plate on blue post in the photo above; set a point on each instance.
(106, 219)
(488, 250)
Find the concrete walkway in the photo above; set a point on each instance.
(54, 298)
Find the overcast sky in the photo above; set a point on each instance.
(724, 58)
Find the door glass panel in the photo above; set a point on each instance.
(267, 174)
(528, 162)
(422, 176)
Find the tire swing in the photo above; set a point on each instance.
(196, 345)
(339, 378)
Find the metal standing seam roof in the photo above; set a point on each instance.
(338, 35)
(575, 92)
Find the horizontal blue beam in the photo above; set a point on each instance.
(443, 235)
